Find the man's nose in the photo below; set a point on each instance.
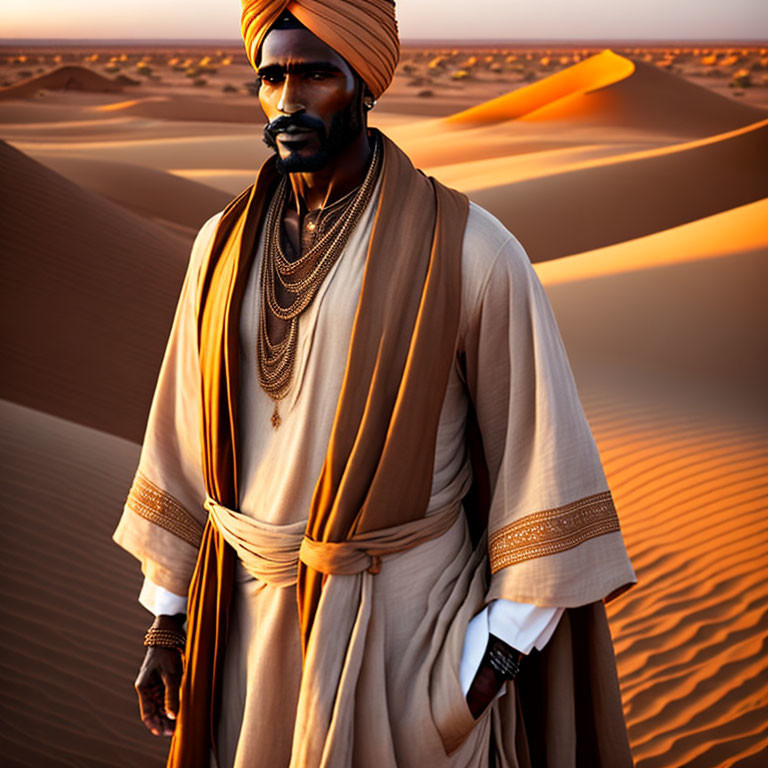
(290, 97)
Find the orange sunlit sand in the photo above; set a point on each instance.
(635, 179)
(598, 71)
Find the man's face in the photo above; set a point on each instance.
(311, 98)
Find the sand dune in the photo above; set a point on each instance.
(688, 476)
(665, 319)
(231, 182)
(435, 143)
(89, 292)
(607, 95)
(736, 231)
(653, 100)
(146, 191)
(68, 78)
(671, 368)
(30, 116)
(609, 89)
(609, 202)
(190, 108)
(595, 72)
(72, 639)
(228, 151)
(474, 175)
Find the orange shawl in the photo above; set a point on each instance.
(378, 467)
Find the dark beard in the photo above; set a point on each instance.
(344, 129)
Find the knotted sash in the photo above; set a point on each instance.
(379, 463)
(271, 553)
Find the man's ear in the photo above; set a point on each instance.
(368, 101)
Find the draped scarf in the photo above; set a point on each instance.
(377, 471)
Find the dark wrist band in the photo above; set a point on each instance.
(503, 659)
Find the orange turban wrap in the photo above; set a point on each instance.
(364, 32)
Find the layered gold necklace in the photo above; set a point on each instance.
(300, 280)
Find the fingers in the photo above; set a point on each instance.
(151, 693)
(172, 681)
(157, 688)
(483, 690)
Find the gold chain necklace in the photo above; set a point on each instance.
(302, 278)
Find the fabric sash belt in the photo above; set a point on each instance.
(271, 553)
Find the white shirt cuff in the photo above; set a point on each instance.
(521, 625)
(158, 600)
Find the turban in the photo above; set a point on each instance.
(364, 32)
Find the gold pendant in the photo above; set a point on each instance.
(275, 417)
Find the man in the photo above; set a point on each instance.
(366, 462)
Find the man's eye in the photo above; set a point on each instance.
(270, 79)
(319, 75)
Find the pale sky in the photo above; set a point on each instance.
(432, 19)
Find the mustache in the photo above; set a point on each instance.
(284, 122)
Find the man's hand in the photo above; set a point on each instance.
(483, 689)
(488, 681)
(158, 681)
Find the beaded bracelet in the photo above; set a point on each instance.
(164, 638)
(504, 660)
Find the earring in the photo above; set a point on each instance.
(369, 103)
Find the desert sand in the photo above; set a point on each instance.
(635, 178)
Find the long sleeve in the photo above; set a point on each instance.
(553, 531)
(163, 517)
(158, 600)
(521, 625)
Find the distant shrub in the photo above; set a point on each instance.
(112, 68)
(25, 73)
(425, 94)
(460, 74)
(144, 70)
(741, 79)
(200, 81)
(229, 88)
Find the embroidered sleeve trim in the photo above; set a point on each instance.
(156, 505)
(553, 530)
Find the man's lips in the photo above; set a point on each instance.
(294, 134)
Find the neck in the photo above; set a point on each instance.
(345, 172)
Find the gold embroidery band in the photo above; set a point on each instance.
(553, 530)
(152, 503)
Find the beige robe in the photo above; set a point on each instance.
(395, 697)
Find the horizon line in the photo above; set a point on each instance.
(404, 41)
